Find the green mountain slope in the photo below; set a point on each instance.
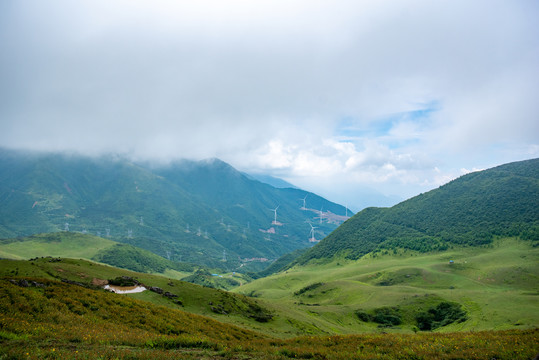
(64, 244)
(47, 319)
(471, 211)
(497, 287)
(85, 246)
(236, 309)
(202, 212)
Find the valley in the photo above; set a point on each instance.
(307, 312)
(274, 180)
(324, 298)
(498, 286)
(378, 286)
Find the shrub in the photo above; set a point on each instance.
(363, 316)
(388, 316)
(308, 288)
(385, 316)
(123, 281)
(443, 314)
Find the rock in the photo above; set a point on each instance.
(156, 289)
(67, 281)
(25, 283)
(36, 284)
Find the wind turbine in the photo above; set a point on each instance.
(275, 211)
(305, 198)
(312, 239)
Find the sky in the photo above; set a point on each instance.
(363, 102)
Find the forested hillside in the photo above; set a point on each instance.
(471, 211)
(203, 212)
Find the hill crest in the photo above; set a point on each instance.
(469, 211)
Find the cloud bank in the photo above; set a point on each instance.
(335, 96)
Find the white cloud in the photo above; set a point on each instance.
(319, 92)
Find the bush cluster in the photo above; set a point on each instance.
(385, 316)
(443, 314)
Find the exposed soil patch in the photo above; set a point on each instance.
(99, 282)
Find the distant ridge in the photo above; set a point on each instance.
(270, 180)
(204, 212)
(469, 211)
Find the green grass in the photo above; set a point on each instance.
(56, 320)
(84, 246)
(195, 299)
(62, 320)
(62, 244)
(498, 286)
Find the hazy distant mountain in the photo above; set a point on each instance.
(367, 197)
(471, 210)
(270, 180)
(205, 212)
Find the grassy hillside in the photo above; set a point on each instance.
(228, 307)
(497, 286)
(84, 246)
(471, 210)
(62, 244)
(326, 299)
(45, 318)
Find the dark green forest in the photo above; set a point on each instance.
(469, 211)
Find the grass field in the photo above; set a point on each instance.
(312, 308)
(194, 298)
(83, 246)
(56, 320)
(69, 245)
(497, 286)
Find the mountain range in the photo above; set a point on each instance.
(461, 260)
(204, 212)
